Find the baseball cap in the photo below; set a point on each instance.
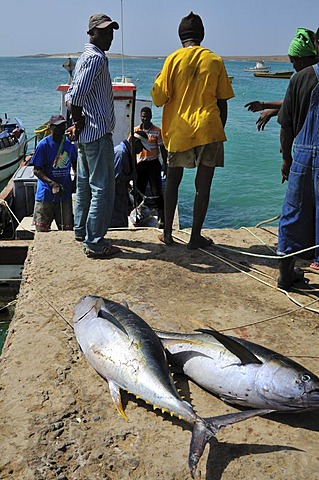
(142, 136)
(191, 28)
(56, 120)
(100, 20)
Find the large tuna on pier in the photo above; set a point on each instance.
(125, 350)
(242, 372)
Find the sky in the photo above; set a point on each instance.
(232, 27)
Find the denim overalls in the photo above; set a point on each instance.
(299, 221)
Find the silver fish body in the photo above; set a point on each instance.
(241, 372)
(126, 351)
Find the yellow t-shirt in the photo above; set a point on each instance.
(189, 85)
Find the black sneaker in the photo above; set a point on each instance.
(106, 252)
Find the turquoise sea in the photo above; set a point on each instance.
(245, 192)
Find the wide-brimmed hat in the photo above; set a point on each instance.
(100, 20)
(142, 136)
(56, 120)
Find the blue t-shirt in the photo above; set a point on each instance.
(56, 167)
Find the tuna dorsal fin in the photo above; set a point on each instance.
(244, 355)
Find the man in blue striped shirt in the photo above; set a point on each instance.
(90, 99)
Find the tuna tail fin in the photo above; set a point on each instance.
(205, 429)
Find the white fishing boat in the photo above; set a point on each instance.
(259, 67)
(13, 145)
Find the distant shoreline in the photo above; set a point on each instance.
(238, 58)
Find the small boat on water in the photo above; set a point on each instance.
(279, 74)
(259, 67)
(13, 146)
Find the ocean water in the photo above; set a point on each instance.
(246, 191)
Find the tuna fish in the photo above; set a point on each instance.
(242, 372)
(125, 350)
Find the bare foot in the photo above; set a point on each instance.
(167, 239)
(202, 242)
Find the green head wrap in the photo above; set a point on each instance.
(302, 45)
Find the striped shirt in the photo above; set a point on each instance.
(91, 89)
(155, 142)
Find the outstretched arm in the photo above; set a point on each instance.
(257, 106)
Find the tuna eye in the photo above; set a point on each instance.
(305, 378)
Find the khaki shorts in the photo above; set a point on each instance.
(210, 155)
(45, 212)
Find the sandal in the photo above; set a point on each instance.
(203, 243)
(167, 240)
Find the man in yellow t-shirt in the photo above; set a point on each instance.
(194, 88)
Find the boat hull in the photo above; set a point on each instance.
(11, 157)
(287, 74)
(255, 69)
(12, 154)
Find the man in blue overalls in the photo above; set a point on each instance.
(299, 138)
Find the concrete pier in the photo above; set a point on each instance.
(57, 419)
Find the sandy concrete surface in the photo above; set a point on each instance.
(57, 419)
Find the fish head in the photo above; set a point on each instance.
(286, 385)
(87, 305)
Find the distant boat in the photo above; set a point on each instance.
(259, 67)
(231, 78)
(280, 74)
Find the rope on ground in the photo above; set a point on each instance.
(50, 304)
(270, 220)
(241, 270)
(288, 312)
(260, 240)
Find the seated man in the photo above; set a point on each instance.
(124, 172)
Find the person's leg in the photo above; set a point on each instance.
(141, 179)
(100, 161)
(63, 214)
(83, 194)
(203, 181)
(43, 216)
(173, 180)
(155, 180)
(296, 230)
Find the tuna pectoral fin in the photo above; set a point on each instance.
(205, 429)
(116, 397)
